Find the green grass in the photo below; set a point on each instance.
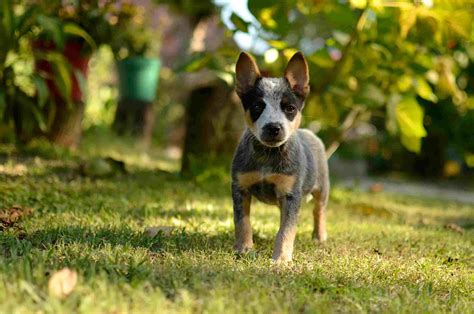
(384, 253)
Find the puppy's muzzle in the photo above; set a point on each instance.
(273, 133)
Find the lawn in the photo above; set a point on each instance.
(385, 253)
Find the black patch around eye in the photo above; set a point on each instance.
(252, 101)
(256, 109)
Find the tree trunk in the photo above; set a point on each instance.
(214, 122)
(66, 128)
(135, 118)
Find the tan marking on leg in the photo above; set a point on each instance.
(243, 230)
(283, 183)
(247, 179)
(284, 242)
(319, 216)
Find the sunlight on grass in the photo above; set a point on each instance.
(384, 253)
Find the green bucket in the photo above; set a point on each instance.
(138, 78)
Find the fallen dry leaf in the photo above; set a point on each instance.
(454, 227)
(62, 283)
(368, 209)
(153, 231)
(12, 215)
(376, 188)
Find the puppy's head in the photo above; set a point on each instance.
(272, 105)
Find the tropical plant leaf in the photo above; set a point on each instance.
(424, 90)
(469, 160)
(239, 23)
(404, 82)
(8, 17)
(63, 79)
(26, 21)
(41, 89)
(76, 30)
(412, 143)
(62, 72)
(278, 44)
(39, 118)
(29, 104)
(267, 18)
(410, 123)
(197, 62)
(407, 20)
(53, 28)
(358, 4)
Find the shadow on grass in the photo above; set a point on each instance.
(179, 241)
(194, 261)
(169, 274)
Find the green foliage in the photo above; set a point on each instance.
(89, 22)
(131, 36)
(24, 92)
(72, 29)
(410, 121)
(15, 30)
(196, 10)
(367, 54)
(33, 32)
(34, 36)
(239, 23)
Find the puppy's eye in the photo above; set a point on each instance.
(259, 105)
(289, 109)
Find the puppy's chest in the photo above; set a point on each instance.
(265, 184)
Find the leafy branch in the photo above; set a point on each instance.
(349, 122)
(345, 52)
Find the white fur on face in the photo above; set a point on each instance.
(272, 94)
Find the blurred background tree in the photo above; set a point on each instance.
(386, 69)
(212, 109)
(392, 81)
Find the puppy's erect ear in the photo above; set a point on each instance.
(297, 74)
(247, 73)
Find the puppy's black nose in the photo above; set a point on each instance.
(272, 129)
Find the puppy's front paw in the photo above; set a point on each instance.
(320, 236)
(242, 248)
(282, 258)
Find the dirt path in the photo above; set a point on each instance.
(425, 189)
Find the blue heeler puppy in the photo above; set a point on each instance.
(275, 161)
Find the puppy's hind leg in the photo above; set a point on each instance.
(319, 216)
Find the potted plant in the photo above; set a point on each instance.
(135, 47)
(85, 24)
(23, 93)
(138, 71)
